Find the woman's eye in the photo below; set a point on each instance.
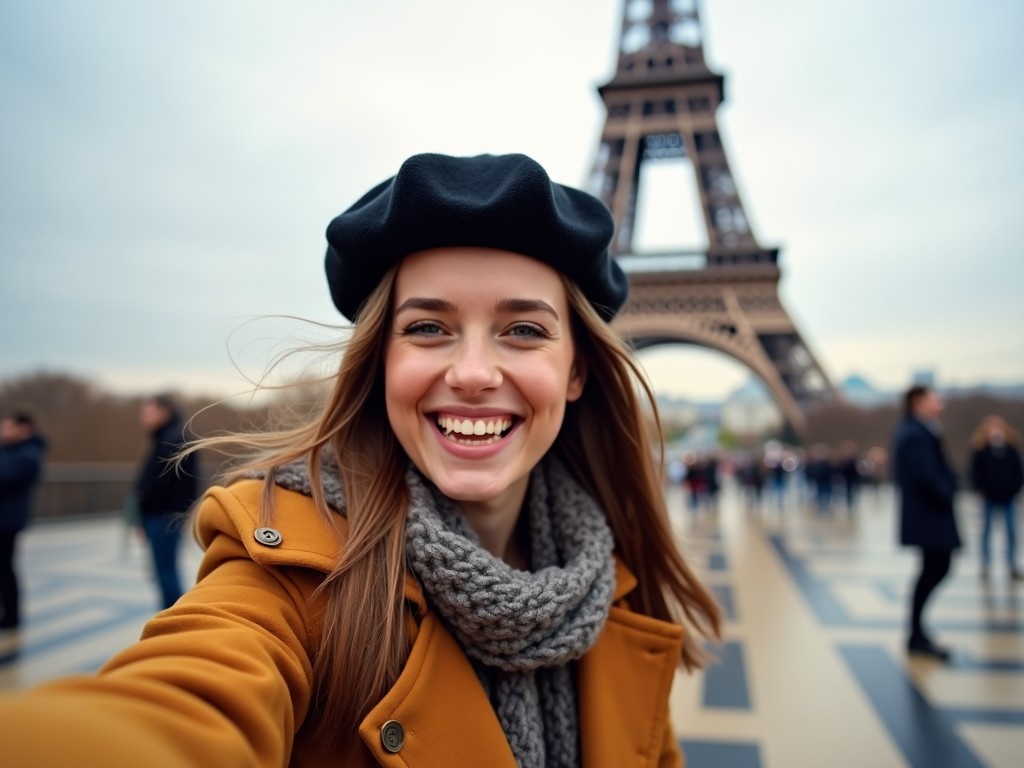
(425, 328)
(528, 331)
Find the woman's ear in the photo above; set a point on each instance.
(577, 378)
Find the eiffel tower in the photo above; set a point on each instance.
(661, 105)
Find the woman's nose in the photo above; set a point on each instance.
(474, 367)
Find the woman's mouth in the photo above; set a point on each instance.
(468, 431)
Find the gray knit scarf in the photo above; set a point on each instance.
(520, 629)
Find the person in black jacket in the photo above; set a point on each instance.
(164, 492)
(927, 486)
(21, 462)
(997, 476)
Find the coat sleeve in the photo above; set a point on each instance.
(148, 485)
(974, 464)
(222, 678)
(1017, 472)
(19, 467)
(160, 479)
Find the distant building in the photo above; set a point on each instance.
(699, 440)
(678, 411)
(750, 410)
(858, 391)
(924, 377)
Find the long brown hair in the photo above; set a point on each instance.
(605, 441)
(356, 661)
(981, 435)
(603, 436)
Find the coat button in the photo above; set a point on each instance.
(269, 537)
(392, 734)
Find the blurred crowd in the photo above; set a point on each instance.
(775, 472)
(832, 478)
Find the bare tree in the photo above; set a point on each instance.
(867, 427)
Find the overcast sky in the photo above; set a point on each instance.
(167, 170)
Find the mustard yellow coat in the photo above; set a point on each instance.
(224, 677)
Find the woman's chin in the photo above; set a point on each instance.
(481, 487)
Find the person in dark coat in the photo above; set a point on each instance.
(21, 462)
(997, 476)
(849, 473)
(164, 492)
(927, 486)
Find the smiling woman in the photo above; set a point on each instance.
(463, 558)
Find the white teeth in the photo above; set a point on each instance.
(476, 428)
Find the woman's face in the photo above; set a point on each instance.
(479, 366)
(996, 429)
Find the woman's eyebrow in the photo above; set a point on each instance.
(526, 305)
(431, 305)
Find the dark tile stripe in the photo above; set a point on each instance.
(829, 611)
(968, 663)
(720, 754)
(924, 734)
(723, 594)
(725, 681)
(985, 716)
(717, 562)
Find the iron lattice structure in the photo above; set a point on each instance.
(662, 104)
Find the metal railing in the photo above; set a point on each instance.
(87, 489)
(83, 490)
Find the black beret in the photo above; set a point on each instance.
(491, 201)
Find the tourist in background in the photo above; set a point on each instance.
(21, 463)
(164, 492)
(848, 470)
(997, 476)
(927, 486)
